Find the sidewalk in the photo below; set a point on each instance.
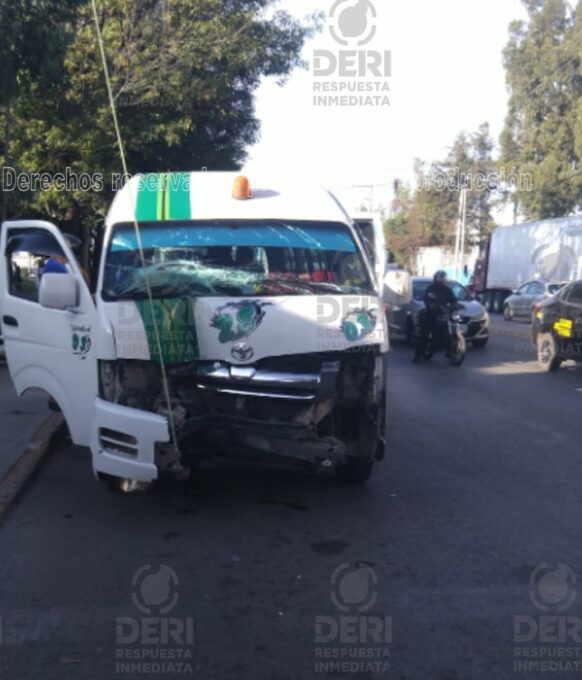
(19, 419)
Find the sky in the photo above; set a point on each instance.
(446, 76)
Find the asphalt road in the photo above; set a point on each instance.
(263, 574)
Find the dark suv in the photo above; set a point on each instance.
(557, 327)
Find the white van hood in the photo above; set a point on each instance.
(244, 330)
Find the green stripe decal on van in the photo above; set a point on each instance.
(176, 328)
(147, 198)
(178, 196)
(160, 204)
(163, 197)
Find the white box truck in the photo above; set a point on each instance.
(549, 250)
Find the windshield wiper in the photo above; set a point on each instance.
(319, 286)
(228, 288)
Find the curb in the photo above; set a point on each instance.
(23, 469)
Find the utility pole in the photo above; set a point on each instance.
(463, 231)
(371, 188)
(460, 235)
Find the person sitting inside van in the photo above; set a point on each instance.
(56, 264)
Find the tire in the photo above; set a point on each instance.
(112, 484)
(362, 436)
(458, 351)
(355, 472)
(488, 301)
(507, 313)
(481, 343)
(410, 331)
(548, 358)
(427, 352)
(498, 302)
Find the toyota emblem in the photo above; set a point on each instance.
(242, 352)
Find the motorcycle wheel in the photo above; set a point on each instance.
(428, 352)
(458, 350)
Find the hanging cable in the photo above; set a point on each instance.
(157, 336)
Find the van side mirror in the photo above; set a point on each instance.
(58, 291)
(397, 287)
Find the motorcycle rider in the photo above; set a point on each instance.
(436, 297)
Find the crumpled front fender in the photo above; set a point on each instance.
(123, 441)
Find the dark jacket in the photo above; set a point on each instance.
(438, 296)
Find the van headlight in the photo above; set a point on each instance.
(109, 389)
(133, 383)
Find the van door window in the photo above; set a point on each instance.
(30, 255)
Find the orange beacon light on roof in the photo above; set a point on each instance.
(241, 189)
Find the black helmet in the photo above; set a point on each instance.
(440, 276)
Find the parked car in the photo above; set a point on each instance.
(523, 300)
(403, 320)
(557, 327)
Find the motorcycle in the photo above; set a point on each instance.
(447, 337)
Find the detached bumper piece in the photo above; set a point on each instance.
(123, 441)
(253, 382)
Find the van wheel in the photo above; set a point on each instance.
(507, 313)
(548, 358)
(361, 428)
(112, 484)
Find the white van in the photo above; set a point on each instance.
(225, 321)
(371, 231)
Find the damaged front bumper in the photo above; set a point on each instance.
(243, 381)
(283, 409)
(123, 441)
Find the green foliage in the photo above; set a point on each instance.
(543, 131)
(183, 74)
(428, 216)
(399, 229)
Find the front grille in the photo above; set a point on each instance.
(251, 381)
(116, 442)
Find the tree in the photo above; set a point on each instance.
(471, 158)
(401, 235)
(428, 215)
(183, 75)
(542, 130)
(30, 51)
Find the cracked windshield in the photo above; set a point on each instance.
(234, 259)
